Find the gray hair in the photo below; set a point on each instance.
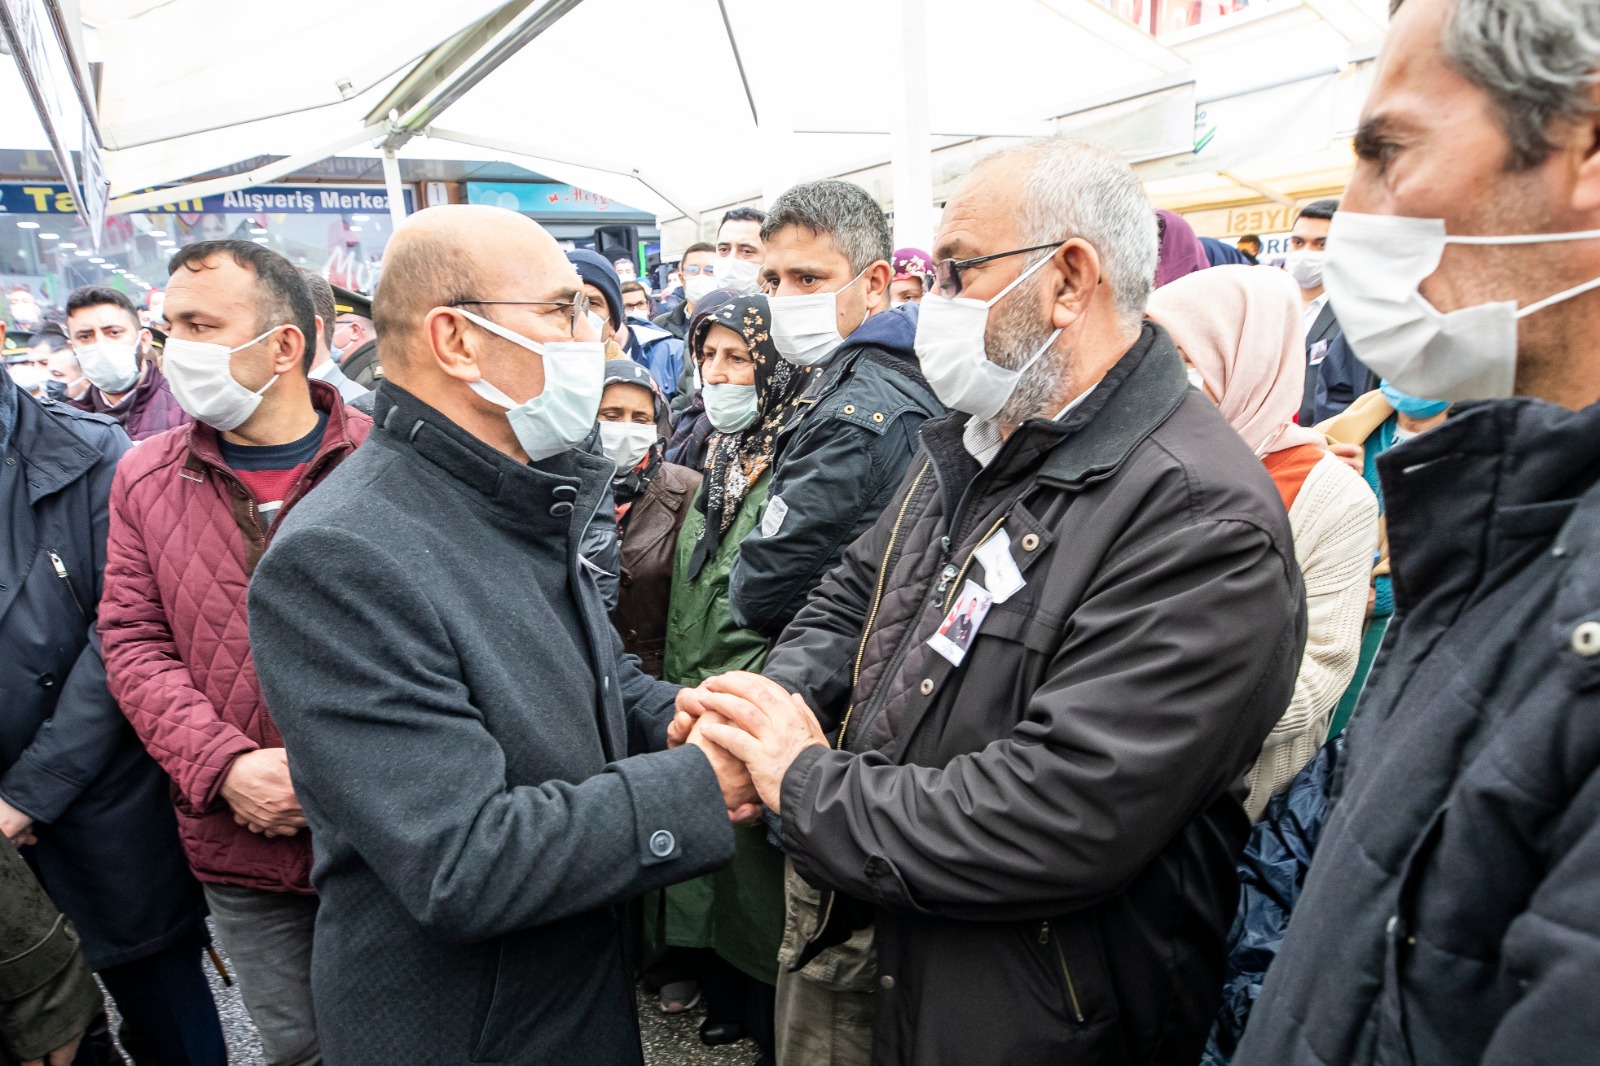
(1082, 189)
(839, 210)
(1536, 59)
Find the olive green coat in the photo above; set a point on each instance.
(47, 995)
(737, 911)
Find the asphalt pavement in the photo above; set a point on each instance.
(669, 1040)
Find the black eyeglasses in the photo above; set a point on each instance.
(947, 272)
(579, 305)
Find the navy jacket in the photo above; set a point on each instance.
(1449, 917)
(108, 851)
(469, 743)
(836, 469)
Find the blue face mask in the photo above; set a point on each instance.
(1412, 406)
(730, 407)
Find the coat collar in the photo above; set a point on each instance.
(1475, 493)
(55, 455)
(549, 498)
(1139, 393)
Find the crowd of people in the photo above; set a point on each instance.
(1079, 641)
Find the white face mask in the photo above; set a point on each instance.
(561, 416)
(729, 272)
(337, 353)
(627, 443)
(27, 376)
(805, 329)
(951, 350)
(1376, 264)
(110, 366)
(699, 287)
(1306, 267)
(730, 407)
(202, 381)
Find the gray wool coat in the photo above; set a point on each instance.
(470, 744)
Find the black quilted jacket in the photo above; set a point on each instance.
(1045, 835)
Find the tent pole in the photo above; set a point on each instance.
(397, 190)
(911, 144)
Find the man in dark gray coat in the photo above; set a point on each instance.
(1031, 825)
(480, 764)
(1450, 915)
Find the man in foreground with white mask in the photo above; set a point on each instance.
(481, 762)
(113, 353)
(1449, 916)
(827, 277)
(1046, 668)
(192, 509)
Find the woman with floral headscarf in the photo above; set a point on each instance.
(750, 395)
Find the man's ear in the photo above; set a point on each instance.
(879, 275)
(1586, 155)
(454, 342)
(1076, 273)
(289, 349)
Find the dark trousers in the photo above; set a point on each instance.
(734, 996)
(168, 1015)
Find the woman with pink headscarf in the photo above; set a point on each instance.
(1239, 329)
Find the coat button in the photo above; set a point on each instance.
(662, 843)
(927, 686)
(1030, 541)
(560, 509)
(877, 416)
(565, 492)
(1586, 639)
(886, 982)
(47, 680)
(849, 408)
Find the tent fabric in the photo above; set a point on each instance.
(191, 86)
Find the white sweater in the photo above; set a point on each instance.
(1335, 523)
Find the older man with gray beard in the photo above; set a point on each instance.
(1045, 669)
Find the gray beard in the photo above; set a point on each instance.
(1015, 335)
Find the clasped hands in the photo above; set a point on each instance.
(751, 730)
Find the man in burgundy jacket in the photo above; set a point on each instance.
(192, 511)
(113, 349)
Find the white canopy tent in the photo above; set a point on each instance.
(759, 94)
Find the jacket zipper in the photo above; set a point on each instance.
(877, 597)
(1066, 974)
(955, 582)
(61, 572)
(861, 651)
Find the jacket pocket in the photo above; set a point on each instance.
(553, 987)
(847, 967)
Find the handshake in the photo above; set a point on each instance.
(751, 730)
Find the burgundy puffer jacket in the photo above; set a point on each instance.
(185, 538)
